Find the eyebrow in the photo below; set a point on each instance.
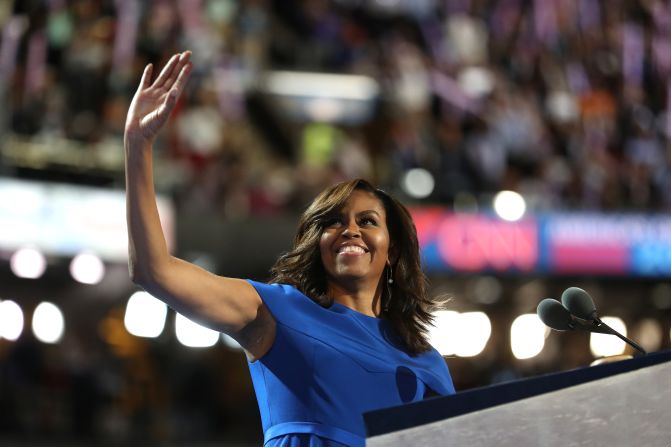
(360, 213)
(368, 212)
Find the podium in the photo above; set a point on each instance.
(627, 403)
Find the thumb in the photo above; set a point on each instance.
(146, 77)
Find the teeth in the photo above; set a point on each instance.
(352, 249)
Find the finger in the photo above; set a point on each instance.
(167, 70)
(146, 76)
(177, 72)
(183, 77)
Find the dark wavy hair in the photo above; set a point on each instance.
(404, 302)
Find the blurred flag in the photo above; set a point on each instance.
(36, 64)
(668, 110)
(11, 36)
(589, 15)
(545, 21)
(191, 15)
(128, 18)
(633, 49)
(661, 54)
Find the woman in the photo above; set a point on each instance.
(338, 332)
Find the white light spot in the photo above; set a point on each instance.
(48, 323)
(87, 268)
(194, 335)
(603, 345)
(649, 334)
(145, 315)
(324, 110)
(562, 106)
(463, 334)
(230, 342)
(476, 81)
(527, 336)
(322, 85)
(474, 329)
(509, 205)
(28, 263)
(443, 335)
(418, 183)
(11, 320)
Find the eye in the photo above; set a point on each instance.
(368, 221)
(331, 221)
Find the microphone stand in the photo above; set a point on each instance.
(601, 325)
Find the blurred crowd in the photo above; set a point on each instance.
(563, 101)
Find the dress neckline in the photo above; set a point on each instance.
(342, 309)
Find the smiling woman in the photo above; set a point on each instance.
(341, 329)
(354, 250)
(357, 213)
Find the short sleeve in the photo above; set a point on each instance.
(281, 299)
(441, 370)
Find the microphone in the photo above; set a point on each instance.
(580, 304)
(556, 316)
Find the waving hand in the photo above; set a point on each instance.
(154, 101)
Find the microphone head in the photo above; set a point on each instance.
(579, 303)
(554, 315)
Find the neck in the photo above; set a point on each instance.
(359, 297)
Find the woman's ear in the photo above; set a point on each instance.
(392, 257)
(393, 254)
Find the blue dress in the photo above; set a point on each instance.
(327, 367)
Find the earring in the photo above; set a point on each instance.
(390, 281)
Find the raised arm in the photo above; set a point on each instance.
(228, 305)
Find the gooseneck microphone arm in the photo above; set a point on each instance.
(600, 324)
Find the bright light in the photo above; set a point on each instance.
(649, 334)
(48, 323)
(476, 81)
(509, 205)
(325, 110)
(28, 263)
(562, 106)
(145, 315)
(461, 334)
(11, 320)
(87, 268)
(194, 335)
(443, 335)
(230, 342)
(322, 85)
(474, 330)
(603, 345)
(527, 336)
(418, 183)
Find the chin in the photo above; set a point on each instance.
(349, 274)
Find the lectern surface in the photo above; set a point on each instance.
(632, 409)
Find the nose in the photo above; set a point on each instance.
(351, 230)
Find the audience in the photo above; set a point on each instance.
(564, 101)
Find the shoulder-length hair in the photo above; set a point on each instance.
(404, 302)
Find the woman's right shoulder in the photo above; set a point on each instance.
(274, 289)
(284, 301)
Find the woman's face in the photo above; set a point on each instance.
(355, 242)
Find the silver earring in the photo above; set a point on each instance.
(390, 281)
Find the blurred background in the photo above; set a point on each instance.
(530, 139)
